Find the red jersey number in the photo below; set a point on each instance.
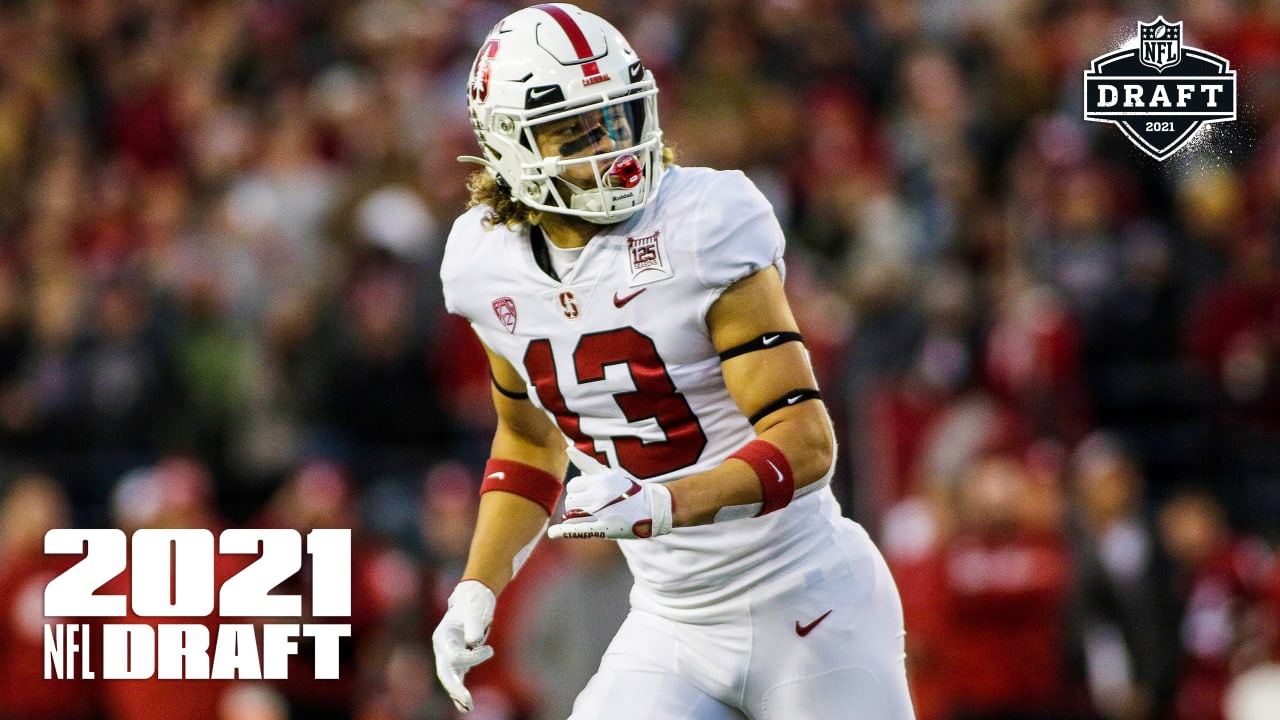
(655, 397)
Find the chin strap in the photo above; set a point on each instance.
(579, 199)
(595, 201)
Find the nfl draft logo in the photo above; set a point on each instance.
(1160, 93)
(160, 577)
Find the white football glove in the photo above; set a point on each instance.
(604, 502)
(458, 640)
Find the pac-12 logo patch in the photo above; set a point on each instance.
(505, 309)
(1160, 92)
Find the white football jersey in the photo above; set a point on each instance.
(618, 354)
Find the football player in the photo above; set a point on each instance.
(634, 309)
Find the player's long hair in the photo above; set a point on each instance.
(505, 210)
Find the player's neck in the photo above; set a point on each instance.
(566, 231)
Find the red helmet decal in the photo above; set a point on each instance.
(480, 72)
(576, 37)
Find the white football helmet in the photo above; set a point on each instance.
(566, 114)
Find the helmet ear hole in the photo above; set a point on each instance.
(536, 191)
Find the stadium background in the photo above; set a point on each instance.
(1054, 362)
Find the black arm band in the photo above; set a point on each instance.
(505, 392)
(791, 397)
(764, 342)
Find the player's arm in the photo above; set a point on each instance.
(767, 372)
(509, 519)
(521, 486)
(761, 376)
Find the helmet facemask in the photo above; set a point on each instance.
(591, 162)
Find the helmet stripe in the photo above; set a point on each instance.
(576, 37)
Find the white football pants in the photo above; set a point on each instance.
(822, 643)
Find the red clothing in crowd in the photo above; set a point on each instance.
(1236, 324)
(1218, 595)
(24, 694)
(997, 644)
(924, 608)
(1273, 610)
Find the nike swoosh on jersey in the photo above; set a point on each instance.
(620, 301)
(803, 630)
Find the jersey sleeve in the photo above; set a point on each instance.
(460, 251)
(737, 231)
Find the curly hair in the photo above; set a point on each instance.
(506, 210)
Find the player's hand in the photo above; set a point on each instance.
(459, 638)
(604, 502)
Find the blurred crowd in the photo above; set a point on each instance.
(1054, 363)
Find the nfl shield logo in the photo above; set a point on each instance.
(505, 309)
(1161, 43)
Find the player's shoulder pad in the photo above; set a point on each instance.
(465, 250)
(735, 229)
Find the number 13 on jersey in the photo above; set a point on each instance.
(655, 398)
